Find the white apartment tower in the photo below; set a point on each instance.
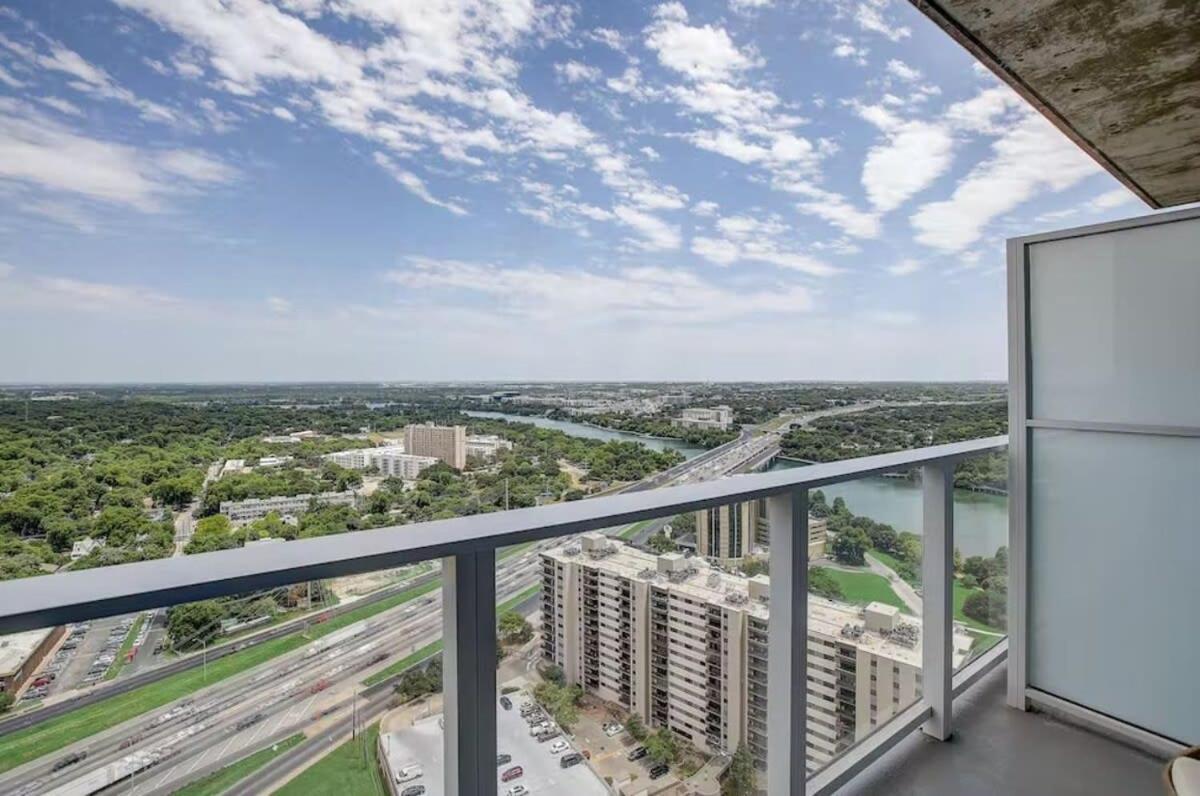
(444, 443)
(683, 645)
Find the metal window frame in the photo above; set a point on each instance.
(1022, 421)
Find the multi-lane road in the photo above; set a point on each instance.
(311, 690)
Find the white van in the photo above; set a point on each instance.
(409, 773)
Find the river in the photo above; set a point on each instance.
(980, 521)
(595, 432)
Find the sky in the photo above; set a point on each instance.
(246, 190)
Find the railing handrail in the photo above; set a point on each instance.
(45, 601)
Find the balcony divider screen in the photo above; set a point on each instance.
(1105, 432)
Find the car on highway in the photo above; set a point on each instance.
(573, 759)
(517, 790)
(506, 703)
(409, 773)
(636, 754)
(413, 790)
(503, 759)
(512, 773)
(659, 771)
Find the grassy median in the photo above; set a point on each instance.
(54, 734)
(353, 769)
(220, 781)
(126, 646)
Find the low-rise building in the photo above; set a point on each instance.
(273, 461)
(240, 512)
(720, 417)
(683, 645)
(391, 461)
(232, 466)
(84, 547)
(487, 446)
(22, 653)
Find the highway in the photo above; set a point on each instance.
(309, 690)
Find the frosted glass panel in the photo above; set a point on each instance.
(1114, 565)
(1115, 326)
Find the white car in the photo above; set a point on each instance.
(613, 729)
(538, 729)
(409, 773)
(559, 746)
(518, 790)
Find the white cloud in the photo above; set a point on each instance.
(898, 68)
(654, 233)
(705, 208)
(7, 79)
(870, 17)
(745, 6)
(701, 53)
(61, 105)
(88, 295)
(846, 47)
(912, 155)
(1110, 199)
(415, 185)
(37, 150)
(278, 305)
(1031, 157)
(834, 208)
(904, 267)
(650, 152)
(576, 72)
(575, 296)
(754, 239)
(281, 112)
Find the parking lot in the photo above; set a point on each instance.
(422, 744)
(610, 752)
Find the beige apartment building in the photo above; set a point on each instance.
(445, 443)
(729, 533)
(683, 645)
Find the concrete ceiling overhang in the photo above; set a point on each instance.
(1120, 77)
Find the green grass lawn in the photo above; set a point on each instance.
(349, 770)
(865, 587)
(961, 593)
(126, 646)
(52, 735)
(509, 552)
(893, 563)
(433, 648)
(220, 781)
(633, 530)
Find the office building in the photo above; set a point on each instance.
(242, 511)
(487, 446)
(720, 417)
(682, 645)
(445, 443)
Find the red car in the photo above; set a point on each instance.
(512, 773)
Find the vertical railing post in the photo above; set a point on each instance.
(787, 643)
(937, 590)
(469, 672)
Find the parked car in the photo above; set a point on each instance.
(517, 790)
(573, 759)
(659, 771)
(613, 729)
(409, 773)
(636, 754)
(546, 736)
(506, 703)
(512, 773)
(559, 746)
(413, 790)
(538, 729)
(502, 759)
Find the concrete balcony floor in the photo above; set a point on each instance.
(997, 750)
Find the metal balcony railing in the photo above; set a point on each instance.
(468, 547)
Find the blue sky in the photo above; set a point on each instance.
(198, 190)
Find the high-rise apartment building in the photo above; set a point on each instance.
(683, 645)
(445, 443)
(731, 532)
